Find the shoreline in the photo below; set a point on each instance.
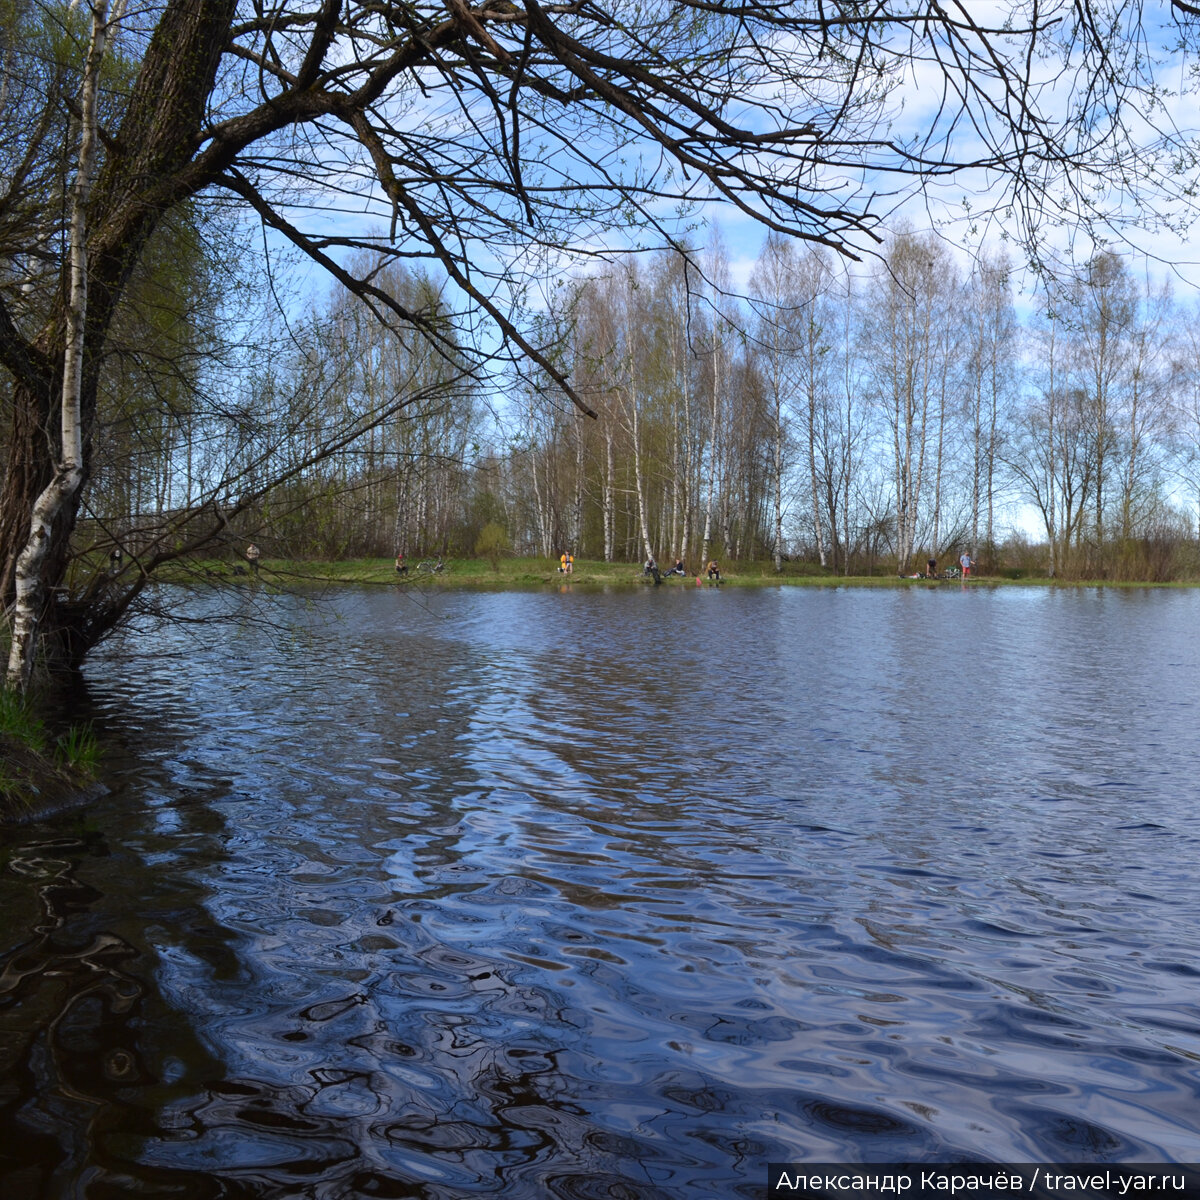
(535, 574)
(33, 786)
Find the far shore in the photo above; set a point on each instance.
(33, 785)
(534, 573)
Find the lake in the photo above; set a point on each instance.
(613, 894)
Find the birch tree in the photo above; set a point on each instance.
(1145, 419)
(990, 368)
(1103, 306)
(28, 581)
(912, 358)
(671, 297)
(1051, 447)
(716, 346)
(773, 305)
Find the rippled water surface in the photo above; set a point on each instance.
(583, 895)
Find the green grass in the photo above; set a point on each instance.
(79, 750)
(18, 721)
(15, 793)
(34, 773)
(478, 572)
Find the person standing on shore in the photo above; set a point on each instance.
(966, 562)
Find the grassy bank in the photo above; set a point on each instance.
(510, 573)
(39, 773)
(518, 573)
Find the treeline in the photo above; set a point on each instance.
(333, 434)
(868, 422)
(858, 422)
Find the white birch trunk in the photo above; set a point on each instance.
(818, 529)
(577, 509)
(714, 433)
(778, 472)
(686, 534)
(991, 470)
(1051, 489)
(977, 462)
(609, 489)
(69, 473)
(635, 432)
(539, 505)
(403, 530)
(935, 550)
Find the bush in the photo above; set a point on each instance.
(1018, 557)
(492, 543)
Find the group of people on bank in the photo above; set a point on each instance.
(566, 566)
(427, 565)
(965, 563)
(651, 567)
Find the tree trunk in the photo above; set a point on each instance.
(59, 495)
(713, 464)
(818, 531)
(609, 489)
(142, 178)
(635, 433)
(778, 485)
(576, 540)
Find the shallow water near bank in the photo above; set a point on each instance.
(554, 894)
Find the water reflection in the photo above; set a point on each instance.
(564, 894)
